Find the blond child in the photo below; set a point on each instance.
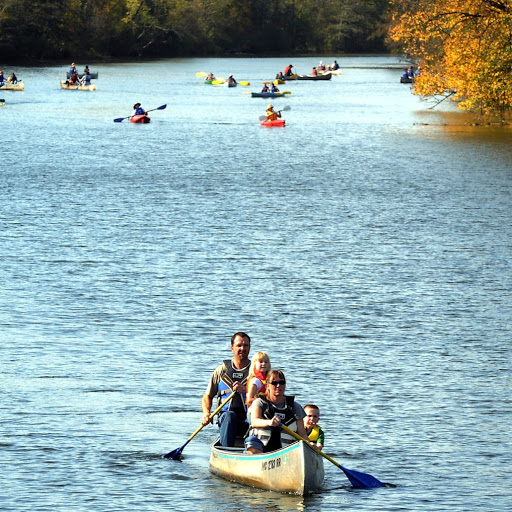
(313, 430)
(257, 380)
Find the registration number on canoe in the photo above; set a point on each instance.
(271, 464)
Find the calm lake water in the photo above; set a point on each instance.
(366, 247)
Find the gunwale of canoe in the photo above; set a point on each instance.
(296, 468)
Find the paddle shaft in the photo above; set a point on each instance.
(212, 415)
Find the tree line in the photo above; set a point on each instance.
(89, 29)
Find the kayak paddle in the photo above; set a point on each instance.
(244, 83)
(357, 479)
(120, 119)
(264, 118)
(176, 454)
(201, 73)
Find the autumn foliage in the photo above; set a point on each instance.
(464, 48)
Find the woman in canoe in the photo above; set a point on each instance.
(138, 110)
(271, 114)
(268, 412)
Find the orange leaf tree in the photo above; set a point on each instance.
(464, 48)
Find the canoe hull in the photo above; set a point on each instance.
(142, 119)
(406, 80)
(274, 123)
(20, 86)
(294, 469)
(74, 87)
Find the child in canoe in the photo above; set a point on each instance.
(257, 380)
(313, 430)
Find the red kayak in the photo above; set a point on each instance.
(142, 118)
(276, 122)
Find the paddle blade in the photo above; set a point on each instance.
(201, 73)
(217, 82)
(361, 480)
(286, 108)
(244, 83)
(161, 107)
(120, 119)
(263, 118)
(175, 454)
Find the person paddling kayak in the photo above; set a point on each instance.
(138, 111)
(271, 114)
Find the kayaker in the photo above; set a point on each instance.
(2, 78)
(314, 72)
(13, 79)
(335, 65)
(210, 76)
(280, 76)
(321, 66)
(268, 412)
(138, 111)
(86, 70)
(271, 114)
(288, 70)
(313, 430)
(231, 80)
(265, 87)
(230, 376)
(273, 88)
(72, 69)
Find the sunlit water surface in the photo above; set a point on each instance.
(366, 246)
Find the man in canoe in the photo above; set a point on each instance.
(230, 376)
(231, 80)
(267, 414)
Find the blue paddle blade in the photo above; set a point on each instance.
(175, 454)
(361, 480)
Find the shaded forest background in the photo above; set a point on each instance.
(101, 29)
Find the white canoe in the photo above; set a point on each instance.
(90, 87)
(20, 86)
(296, 469)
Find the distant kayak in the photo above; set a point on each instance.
(141, 119)
(267, 94)
(270, 123)
(325, 76)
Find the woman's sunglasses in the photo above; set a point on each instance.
(276, 382)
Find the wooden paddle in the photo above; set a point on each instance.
(120, 119)
(357, 479)
(176, 454)
(264, 118)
